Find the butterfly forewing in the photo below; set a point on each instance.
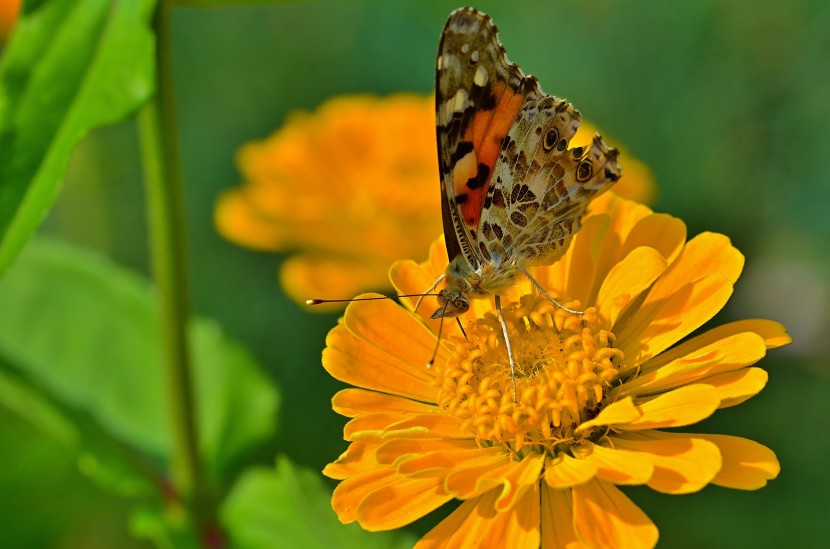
(478, 95)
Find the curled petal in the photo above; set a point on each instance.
(565, 471)
(358, 457)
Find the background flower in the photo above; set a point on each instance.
(594, 392)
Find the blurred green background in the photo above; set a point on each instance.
(727, 102)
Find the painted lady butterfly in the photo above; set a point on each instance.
(512, 193)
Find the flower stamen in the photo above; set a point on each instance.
(564, 364)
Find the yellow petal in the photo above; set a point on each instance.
(581, 260)
(517, 524)
(682, 463)
(731, 353)
(704, 255)
(355, 402)
(349, 493)
(627, 279)
(605, 518)
(523, 476)
(476, 524)
(747, 465)
(390, 327)
(387, 426)
(372, 364)
(677, 408)
(565, 471)
(428, 426)
(390, 451)
(622, 411)
(736, 387)
(400, 502)
(624, 214)
(664, 233)
(440, 461)
(617, 466)
(358, 457)
(557, 520)
(669, 314)
(475, 477)
(369, 427)
(773, 334)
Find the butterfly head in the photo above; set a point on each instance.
(453, 302)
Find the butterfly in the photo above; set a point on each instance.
(513, 193)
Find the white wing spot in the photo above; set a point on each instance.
(459, 100)
(465, 48)
(474, 56)
(480, 78)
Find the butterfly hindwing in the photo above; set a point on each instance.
(541, 188)
(478, 95)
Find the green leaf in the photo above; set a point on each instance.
(71, 65)
(83, 334)
(291, 507)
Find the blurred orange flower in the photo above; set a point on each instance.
(595, 392)
(348, 190)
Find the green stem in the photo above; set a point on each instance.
(166, 224)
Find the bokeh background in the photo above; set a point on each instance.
(727, 102)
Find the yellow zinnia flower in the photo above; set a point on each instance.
(350, 189)
(594, 392)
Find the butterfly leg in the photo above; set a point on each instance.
(431, 289)
(546, 294)
(507, 344)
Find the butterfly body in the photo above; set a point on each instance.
(513, 193)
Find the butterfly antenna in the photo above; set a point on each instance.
(509, 348)
(438, 341)
(321, 301)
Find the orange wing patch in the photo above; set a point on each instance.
(485, 133)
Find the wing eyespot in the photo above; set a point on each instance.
(551, 139)
(584, 171)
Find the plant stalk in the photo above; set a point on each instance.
(166, 225)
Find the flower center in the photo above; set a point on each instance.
(564, 365)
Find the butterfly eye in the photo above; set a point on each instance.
(584, 171)
(551, 138)
(461, 305)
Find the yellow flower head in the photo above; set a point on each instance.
(350, 189)
(594, 392)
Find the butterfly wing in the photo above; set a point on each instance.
(478, 95)
(541, 188)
